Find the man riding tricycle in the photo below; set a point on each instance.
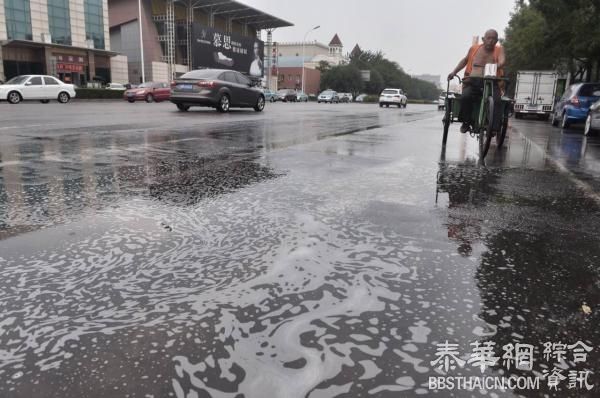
(481, 108)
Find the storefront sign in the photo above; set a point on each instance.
(62, 67)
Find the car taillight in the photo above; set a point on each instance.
(206, 83)
(575, 101)
(173, 84)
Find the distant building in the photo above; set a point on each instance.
(290, 61)
(180, 36)
(435, 79)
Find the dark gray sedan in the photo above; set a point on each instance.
(216, 88)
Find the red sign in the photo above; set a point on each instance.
(62, 67)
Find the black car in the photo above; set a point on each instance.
(216, 88)
(286, 95)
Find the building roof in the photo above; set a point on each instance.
(356, 50)
(291, 61)
(39, 44)
(313, 43)
(335, 41)
(241, 13)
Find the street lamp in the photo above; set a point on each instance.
(303, 41)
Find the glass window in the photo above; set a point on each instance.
(18, 19)
(50, 81)
(59, 21)
(589, 90)
(35, 81)
(94, 22)
(230, 77)
(242, 79)
(17, 80)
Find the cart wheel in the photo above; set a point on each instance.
(446, 121)
(486, 137)
(502, 135)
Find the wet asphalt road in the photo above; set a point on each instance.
(307, 251)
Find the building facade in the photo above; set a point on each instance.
(65, 38)
(290, 61)
(168, 32)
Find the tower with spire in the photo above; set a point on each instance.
(336, 47)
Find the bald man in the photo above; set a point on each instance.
(488, 52)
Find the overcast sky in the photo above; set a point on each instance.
(423, 36)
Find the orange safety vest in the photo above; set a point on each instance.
(471, 56)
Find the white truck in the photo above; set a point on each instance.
(535, 93)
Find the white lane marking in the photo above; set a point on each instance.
(583, 186)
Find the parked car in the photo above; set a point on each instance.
(269, 95)
(115, 86)
(345, 97)
(301, 97)
(592, 121)
(286, 95)
(149, 92)
(36, 87)
(574, 105)
(392, 96)
(217, 88)
(329, 96)
(441, 101)
(360, 98)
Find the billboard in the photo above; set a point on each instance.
(212, 48)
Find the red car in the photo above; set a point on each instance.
(149, 92)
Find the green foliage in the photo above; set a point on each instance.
(98, 93)
(555, 34)
(342, 78)
(323, 66)
(387, 73)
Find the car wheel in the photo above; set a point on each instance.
(564, 123)
(149, 98)
(387, 105)
(381, 105)
(14, 97)
(182, 107)
(63, 98)
(588, 130)
(260, 104)
(44, 101)
(272, 100)
(223, 104)
(318, 102)
(553, 120)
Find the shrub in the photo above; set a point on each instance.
(98, 93)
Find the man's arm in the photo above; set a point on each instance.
(461, 64)
(501, 58)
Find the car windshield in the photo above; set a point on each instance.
(145, 85)
(327, 93)
(390, 92)
(17, 80)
